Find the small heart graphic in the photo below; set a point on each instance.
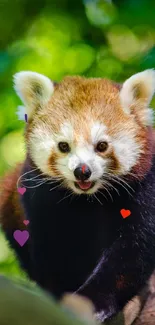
(21, 190)
(125, 213)
(21, 237)
(26, 222)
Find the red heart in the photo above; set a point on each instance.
(125, 213)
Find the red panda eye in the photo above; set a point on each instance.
(63, 146)
(102, 146)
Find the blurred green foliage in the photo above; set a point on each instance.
(23, 304)
(100, 38)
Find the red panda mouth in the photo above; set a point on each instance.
(84, 185)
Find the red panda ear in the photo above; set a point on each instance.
(137, 91)
(33, 89)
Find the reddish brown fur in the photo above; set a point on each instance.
(52, 164)
(82, 101)
(145, 160)
(76, 99)
(11, 212)
(114, 164)
(79, 99)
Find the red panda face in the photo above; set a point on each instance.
(86, 132)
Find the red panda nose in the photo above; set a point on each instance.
(82, 172)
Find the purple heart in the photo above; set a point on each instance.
(21, 236)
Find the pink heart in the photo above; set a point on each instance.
(26, 222)
(21, 237)
(21, 190)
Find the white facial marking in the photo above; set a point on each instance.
(73, 162)
(98, 132)
(43, 141)
(127, 151)
(66, 133)
(84, 153)
(41, 145)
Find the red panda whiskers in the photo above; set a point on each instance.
(80, 241)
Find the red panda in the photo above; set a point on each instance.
(90, 154)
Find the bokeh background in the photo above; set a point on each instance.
(100, 38)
